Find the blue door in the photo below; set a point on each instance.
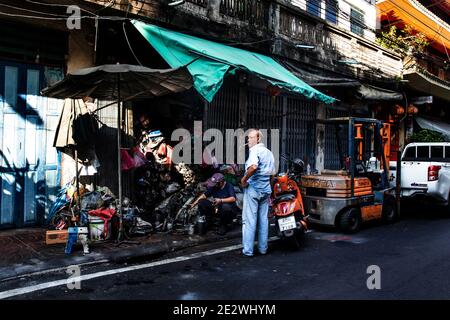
(28, 161)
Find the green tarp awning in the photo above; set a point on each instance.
(215, 60)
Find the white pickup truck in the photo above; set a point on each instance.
(425, 171)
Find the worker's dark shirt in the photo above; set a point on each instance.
(226, 192)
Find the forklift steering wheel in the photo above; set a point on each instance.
(360, 163)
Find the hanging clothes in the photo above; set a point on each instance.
(127, 161)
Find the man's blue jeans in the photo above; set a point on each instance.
(255, 214)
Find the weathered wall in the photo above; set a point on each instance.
(367, 8)
(81, 50)
(275, 27)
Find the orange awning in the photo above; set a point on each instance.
(412, 13)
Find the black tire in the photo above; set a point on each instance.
(448, 204)
(300, 235)
(57, 220)
(350, 220)
(291, 241)
(390, 214)
(295, 243)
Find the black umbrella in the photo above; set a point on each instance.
(120, 82)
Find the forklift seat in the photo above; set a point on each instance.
(334, 172)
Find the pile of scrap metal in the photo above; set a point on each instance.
(79, 208)
(164, 190)
(175, 214)
(162, 187)
(75, 206)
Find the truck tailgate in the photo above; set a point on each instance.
(414, 175)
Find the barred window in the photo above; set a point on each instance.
(356, 22)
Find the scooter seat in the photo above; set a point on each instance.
(284, 197)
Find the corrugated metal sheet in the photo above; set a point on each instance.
(223, 112)
(301, 129)
(266, 112)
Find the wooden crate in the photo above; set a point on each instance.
(56, 236)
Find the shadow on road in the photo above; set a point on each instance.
(417, 209)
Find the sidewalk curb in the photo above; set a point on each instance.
(140, 252)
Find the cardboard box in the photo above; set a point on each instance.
(56, 236)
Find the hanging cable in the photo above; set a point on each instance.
(129, 45)
(446, 52)
(57, 5)
(115, 18)
(110, 4)
(423, 23)
(32, 11)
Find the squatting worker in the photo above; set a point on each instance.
(224, 200)
(259, 169)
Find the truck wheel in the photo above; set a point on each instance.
(350, 220)
(390, 214)
(448, 204)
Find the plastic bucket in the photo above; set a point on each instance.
(96, 228)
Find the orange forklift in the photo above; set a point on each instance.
(360, 190)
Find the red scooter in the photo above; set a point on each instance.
(287, 204)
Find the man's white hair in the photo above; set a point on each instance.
(259, 134)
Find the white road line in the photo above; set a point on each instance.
(38, 273)
(46, 285)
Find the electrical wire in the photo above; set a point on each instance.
(128, 8)
(113, 18)
(431, 58)
(248, 43)
(333, 5)
(110, 4)
(337, 12)
(423, 23)
(446, 52)
(341, 14)
(129, 45)
(331, 8)
(34, 17)
(32, 11)
(57, 5)
(344, 16)
(334, 9)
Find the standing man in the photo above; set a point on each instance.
(259, 169)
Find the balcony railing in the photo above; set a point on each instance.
(201, 3)
(432, 70)
(429, 13)
(264, 19)
(255, 12)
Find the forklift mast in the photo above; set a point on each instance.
(368, 134)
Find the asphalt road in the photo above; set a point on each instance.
(413, 256)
